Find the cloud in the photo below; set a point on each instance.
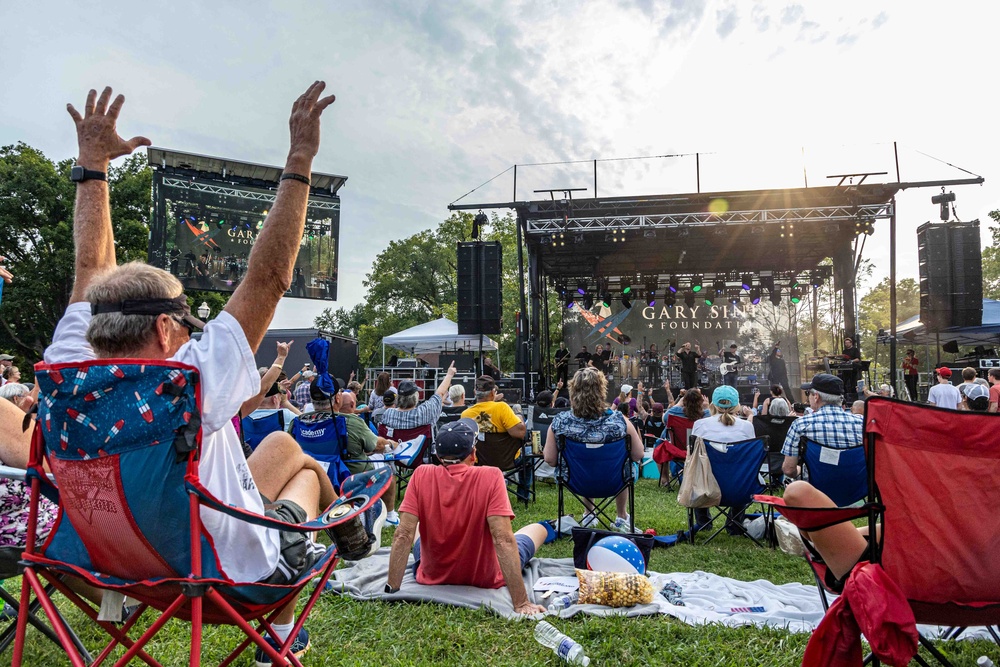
(847, 39)
(879, 20)
(791, 14)
(727, 20)
(761, 18)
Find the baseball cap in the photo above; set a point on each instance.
(308, 374)
(626, 388)
(455, 440)
(944, 372)
(408, 387)
(485, 384)
(157, 306)
(317, 393)
(974, 391)
(725, 396)
(657, 408)
(826, 383)
(6, 357)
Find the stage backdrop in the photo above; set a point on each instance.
(754, 329)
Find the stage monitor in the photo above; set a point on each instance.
(207, 213)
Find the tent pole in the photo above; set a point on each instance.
(892, 295)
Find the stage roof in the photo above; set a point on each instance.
(913, 332)
(717, 232)
(163, 158)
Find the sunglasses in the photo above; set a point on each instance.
(184, 323)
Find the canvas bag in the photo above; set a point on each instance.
(698, 486)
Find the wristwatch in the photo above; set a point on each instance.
(79, 174)
(390, 590)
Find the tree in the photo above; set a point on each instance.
(874, 314)
(991, 262)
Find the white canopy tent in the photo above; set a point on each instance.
(436, 336)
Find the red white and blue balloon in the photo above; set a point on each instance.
(615, 554)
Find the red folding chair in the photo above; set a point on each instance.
(123, 439)
(932, 485)
(672, 451)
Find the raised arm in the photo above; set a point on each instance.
(445, 385)
(269, 272)
(99, 144)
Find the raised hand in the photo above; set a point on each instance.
(451, 370)
(96, 131)
(283, 348)
(303, 124)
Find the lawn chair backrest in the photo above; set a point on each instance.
(498, 450)
(595, 470)
(325, 439)
(842, 474)
(652, 430)
(541, 421)
(117, 435)
(774, 427)
(404, 434)
(737, 469)
(255, 429)
(678, 430)
(936, 472)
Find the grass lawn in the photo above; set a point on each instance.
(345, 632)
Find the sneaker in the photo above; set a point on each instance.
(381, 514)
(588, 520)
(298, 649)
(392, 518)
(621, 525)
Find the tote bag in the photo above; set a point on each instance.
(698, 487)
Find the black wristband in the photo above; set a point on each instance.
(295, 177)
(390, 590)
(79, 174)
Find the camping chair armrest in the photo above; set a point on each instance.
(20, 474)
(317, 524)
(817, 518)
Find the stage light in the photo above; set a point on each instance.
(776, 296)
(627, 288)
(606, 300)
(815, 278)
(709, 299)
(734, 296)
(588, 302)
(627, 303)
(651, 297)
(719, 285)
(747, 281)
(671, 300)
(581, 289)
(649, 234)
(767, 282)
(696, 283)
(569, 303)
(673, 284)
(796, 295)
(754, 296)
(689, 299)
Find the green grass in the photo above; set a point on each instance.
(346, 632)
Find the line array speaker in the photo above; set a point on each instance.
(479, 287)
(951, 274)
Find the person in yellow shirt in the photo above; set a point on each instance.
(491, 413)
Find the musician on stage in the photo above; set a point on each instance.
(601, 359)
(562, 363)
(777, 373)
(689, 364)
(653, 364)
(850, 376)
(730, 357)
(582, 357)
(911, 373)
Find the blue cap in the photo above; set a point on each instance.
(725, 397)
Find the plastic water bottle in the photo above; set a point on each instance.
(561, 645)
(564, 600)
(984, 661)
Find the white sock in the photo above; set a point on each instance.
(392, 515)
(283, 630)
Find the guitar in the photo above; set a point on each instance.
(729, 366)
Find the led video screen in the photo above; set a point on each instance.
(204, 230)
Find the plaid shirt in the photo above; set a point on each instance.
(831, 426)
(301, 394)
(426, 413)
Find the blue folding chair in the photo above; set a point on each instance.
(740, 469)
(256, 429)
(596, 471)
(323, 436)
(842, 474)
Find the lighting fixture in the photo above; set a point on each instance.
(671, 300)
(709, 299)
(673, 284)
(606, 300)
(626, 302)
(747, 281)
(796, 295)
(581, 289)
(719, 285)
(754, 296)
(776, 296)
(696, 283)
(689, 299)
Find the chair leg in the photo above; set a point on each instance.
(631, 507)
(933, 650)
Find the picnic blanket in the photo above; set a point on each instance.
(707, 597)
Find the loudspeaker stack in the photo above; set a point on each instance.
(951, 275)
(479, 287)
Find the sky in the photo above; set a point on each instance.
(436, 98)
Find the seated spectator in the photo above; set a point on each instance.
(18, 394)
(944, 394)
(775, 425)
(455, 397)
(828, 425)
(776, 392)
(275, 400)
(884, 390)
(589, 421)
(383, 383)
(691, 404)
(491, 413)
(625, 397)
(457, 519)
(138, 311)
(561, 402)
(547, 398)
(388, 401)
(722, 428)
(994, 377)
(975, 398)
(858, 407)
(6, 360)
(11, 374)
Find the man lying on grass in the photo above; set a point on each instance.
(465, 536)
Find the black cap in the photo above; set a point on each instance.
(407, 387)
(485, 384)
(156, 306)
(455, 440)
(826, 383)
(317, 393)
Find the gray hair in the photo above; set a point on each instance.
(117, 334)
(457, 392)
(408, 401)
(829, 399)
(13, 390)
(778, 407)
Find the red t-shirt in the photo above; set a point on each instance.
(995, 393)
(452, 503)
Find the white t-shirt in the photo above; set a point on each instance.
(711, 429)
(228, 377)
(945, 396)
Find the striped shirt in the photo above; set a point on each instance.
(830, 426)
(425, 414)
(301, 394)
